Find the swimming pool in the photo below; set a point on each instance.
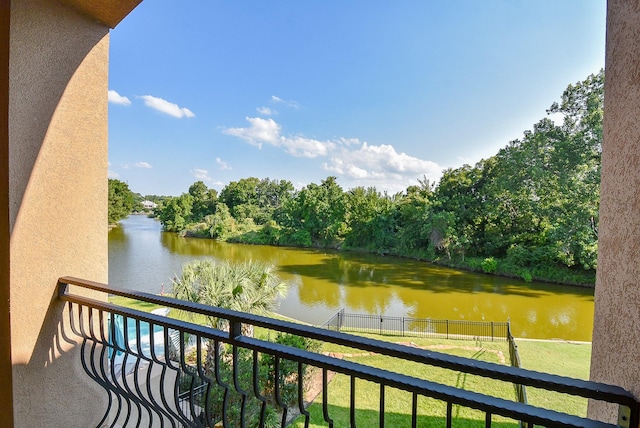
(118, 337)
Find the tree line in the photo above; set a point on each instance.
(122, 201)
(530, 211)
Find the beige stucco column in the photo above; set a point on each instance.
(6, 417)
(616, 331)
(53, 200)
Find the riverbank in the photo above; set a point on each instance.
(504, 267)
(321, 282)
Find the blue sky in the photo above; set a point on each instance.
(376, 93)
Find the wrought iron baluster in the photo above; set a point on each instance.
(179, 414)
(382, 410)
(325, 398)
(165, 411)
(136, 375)
(352, 402)
(277, 393)
(414, 410)
(207, 381)
(301, 407)
(256, 388)
(123, 373)
(221, 383)
(238, 388)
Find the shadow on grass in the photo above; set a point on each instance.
(371, 418)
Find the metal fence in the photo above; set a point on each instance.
(417, 327)
(151, 394)
(426, 327)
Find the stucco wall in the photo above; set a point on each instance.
(616, 331)
(57, 202)
(6, 417)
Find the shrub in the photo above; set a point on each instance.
(288, 380)
(300, 238)
(526, 275)
(489, 265)
(518, 255)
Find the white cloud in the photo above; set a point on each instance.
(112, 174)
(381, 166)
(116, 98)
(266, 111)
(267, 131)
(260, 131)
(288, 103)
(349, 141)
(222, 164)
(306, 147)
(201, 174)
(167, 107)
(359, 163)
(142, 165)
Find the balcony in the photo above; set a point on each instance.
(158, 372)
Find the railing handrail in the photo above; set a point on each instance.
(587, 389)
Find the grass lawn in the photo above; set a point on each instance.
(398, 403)
(133, 303)
(562, 358)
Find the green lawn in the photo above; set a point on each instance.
(398, 403)
(133, 303)
(562, 358)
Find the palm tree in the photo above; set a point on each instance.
(250, 286)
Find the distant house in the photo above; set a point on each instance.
(149, 205)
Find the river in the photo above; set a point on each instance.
(144, 258)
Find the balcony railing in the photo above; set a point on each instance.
(160, 371)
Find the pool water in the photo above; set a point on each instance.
(131, 337)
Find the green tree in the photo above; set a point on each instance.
(251, 287)
(121, 201)
(241, 197)
(255, 199)
(413, 208)
(175, 213)
(203, 201)
(271, 195)
(370, 220)
(317, 211)
(536, 201)
(221, 224)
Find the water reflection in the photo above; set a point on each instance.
(322, 282)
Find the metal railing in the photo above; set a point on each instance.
(150, 394)
(416, 327)
(514, 356)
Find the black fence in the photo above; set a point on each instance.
(168, 388)
(417, 327)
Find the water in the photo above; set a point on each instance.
(144, 258)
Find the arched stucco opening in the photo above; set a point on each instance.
(53, 191)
